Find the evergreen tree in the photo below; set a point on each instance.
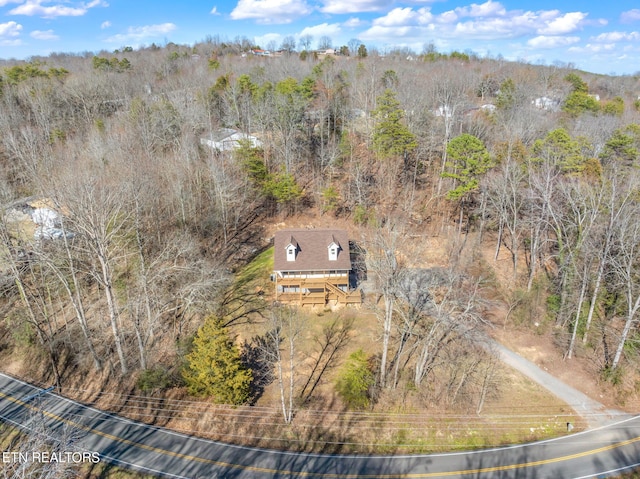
(506, 95)
(252, 162)
(283, 188)
(578, 103)
(468, 159)
(561, 151)
(577, 83)
(623, 147)
(390, 136)
(214, 366)
(355, 380)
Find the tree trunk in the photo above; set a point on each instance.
(386, 335)
(583, 291)
(594, 300)
(113, 311)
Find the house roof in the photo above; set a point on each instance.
(225, 139)
(312, 254)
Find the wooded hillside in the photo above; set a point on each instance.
(122, 231)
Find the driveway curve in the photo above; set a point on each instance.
(595, 413)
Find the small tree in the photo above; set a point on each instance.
(578, 103)
(390, 136)
(284, 188)
(506, 95)
(355, 380)
(468, 159)
(214, 366)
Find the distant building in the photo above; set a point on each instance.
(261, 53)
(227, 139)
(545, 103)
(312, 267)
(325, 52)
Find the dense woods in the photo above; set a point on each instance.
(122, 231)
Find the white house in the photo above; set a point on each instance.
(545, 103)
(227, 139)
(312, 267)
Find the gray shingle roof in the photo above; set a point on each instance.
(312, 247)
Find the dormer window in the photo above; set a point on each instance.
(333, 251)
(291, 249)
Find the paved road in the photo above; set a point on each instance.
(598, 452)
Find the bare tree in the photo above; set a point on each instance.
(353, 45)
(305, 41)
(383, 264)
(286, 325)
(324, 42)
(100, 213)
(625, 264)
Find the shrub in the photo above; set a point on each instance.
(154, 378)
(355, 381)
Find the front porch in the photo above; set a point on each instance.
(316, 291)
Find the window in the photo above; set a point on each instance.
(291, 253)
(333, 252)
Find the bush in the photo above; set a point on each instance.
(153, 379)
(355, 381)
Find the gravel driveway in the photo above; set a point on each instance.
(595, 413)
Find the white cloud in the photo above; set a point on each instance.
(630, 16)
(487, 9)
(7, 2)
(35, 8)
(353, 22)
(214, 11)
(264, 40)
(324, 29)
(378, 33)
(448, 17)
(617, 37)
(591, 48)
(405, 17)
(567, 23)
(10, 34)
(270, 11)
(486, 21)
(140, 34)
(544, 41)
(44, 35)
(106, 24)
(397, 17)
(354, 6)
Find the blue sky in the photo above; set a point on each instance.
(602, 37)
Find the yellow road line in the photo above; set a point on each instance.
(314, 474)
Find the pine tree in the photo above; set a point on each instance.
(561, 151)
(468, 159)
(214, 366)
(355, 380)
(390, 136)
